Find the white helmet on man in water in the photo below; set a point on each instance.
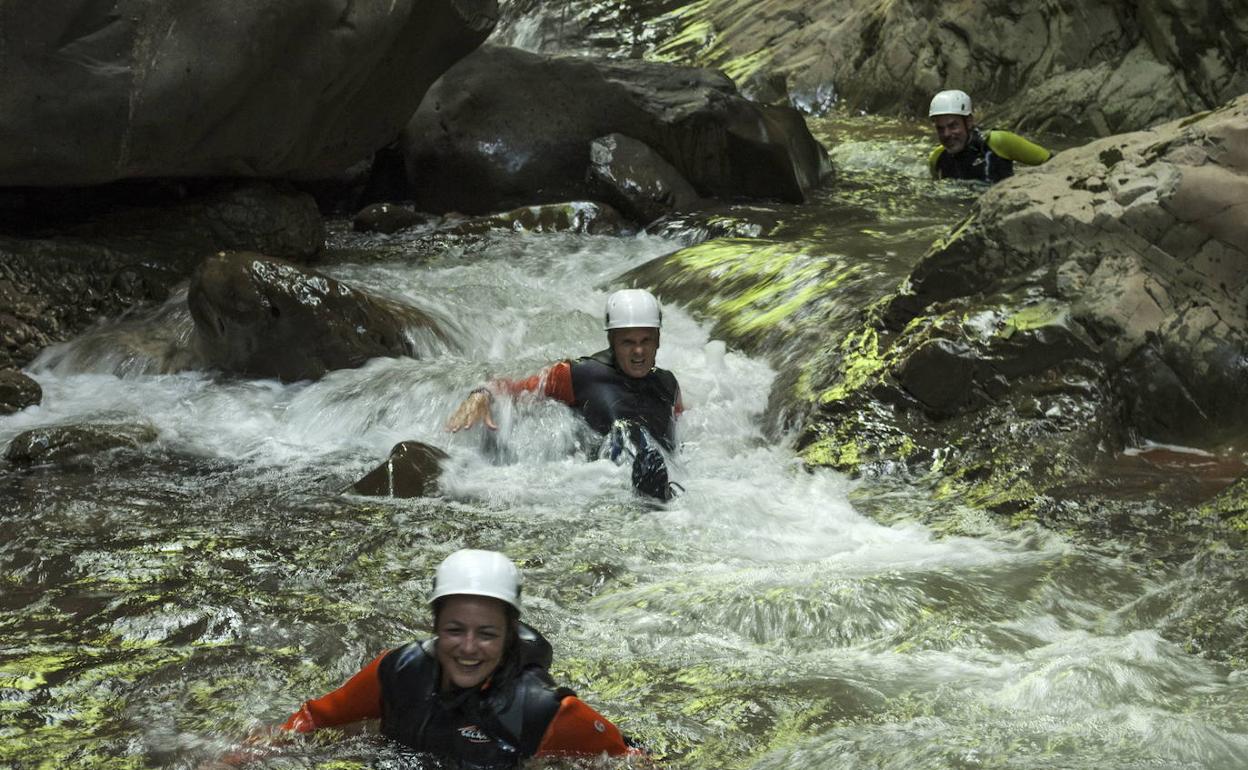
(952, 102)
(478, 573)
(631, 309)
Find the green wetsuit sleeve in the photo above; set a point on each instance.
(1014, 147)
(933, 159)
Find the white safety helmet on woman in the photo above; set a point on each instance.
(631, 309)
(478, 573)
(950, 103)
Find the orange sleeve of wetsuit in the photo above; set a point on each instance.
(578, 730)
(359, 698)
(553, 382)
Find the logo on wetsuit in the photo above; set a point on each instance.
(473, 734)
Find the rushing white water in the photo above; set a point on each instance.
(759, 620)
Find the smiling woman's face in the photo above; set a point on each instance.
(472, 637)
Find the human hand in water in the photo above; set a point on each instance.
(260, 743)
(474, 409)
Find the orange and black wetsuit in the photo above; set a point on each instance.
(595, 387)
(518, 713)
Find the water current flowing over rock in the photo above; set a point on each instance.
(160, 600)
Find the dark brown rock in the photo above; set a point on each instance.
(17, 391)
(56, 281)
(567, 217)
(387, 218)
(637, 180)
(264, 317)
(940, 374)
(411, 470)
(504, 128)
(61, 442)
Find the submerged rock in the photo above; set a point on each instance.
(388, 218)
(505, 127)
(263, 317)
(233, 88)
(411, 470)
(61, 442)
(567, 217)
(17, 391)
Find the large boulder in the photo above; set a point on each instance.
(97, 91)
(1093, 304)
(1087, 68)
(1086, 308)
(1142, 239)
(56, 281)
(263, 317)
(505, 128)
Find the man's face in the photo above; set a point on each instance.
(634, 349)
(952, 131)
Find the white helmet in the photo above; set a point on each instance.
(950, 103)
(633, 308)
(478, 573)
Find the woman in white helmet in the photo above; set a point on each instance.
(616, 386)
(965, 152)
(478, 692)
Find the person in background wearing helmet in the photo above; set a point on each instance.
(477, 693)
(618, 390)
(965, 152)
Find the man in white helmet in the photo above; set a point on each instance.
(965, 152)
(616, 390)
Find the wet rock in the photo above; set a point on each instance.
(1098, 303)
(98, 254)
(570, 217)
(17, 391)
(940, 374)
(505, 128)
(61, 442)
(637, 180)
(254, 89)
(263, 317)
(1141, 238)
(1087, 70)
(1085, 307)
(411, 470)
(388, 218)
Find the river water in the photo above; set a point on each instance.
(158, 604)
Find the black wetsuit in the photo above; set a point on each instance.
(476, 729)
(607, 397)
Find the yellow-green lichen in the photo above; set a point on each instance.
(1035, 316)
(742, 67)
(862, 362)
